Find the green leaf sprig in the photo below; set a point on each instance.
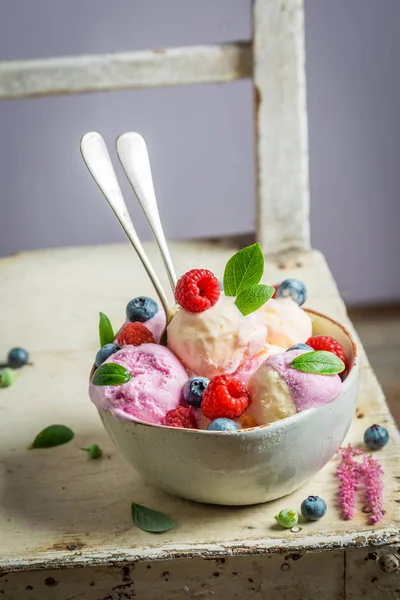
(150, 520)
(111, 374)
(53, 435)
(242, 275)
(106, 334)
(253, 297)
(320, 362)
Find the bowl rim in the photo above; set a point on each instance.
(270, 426)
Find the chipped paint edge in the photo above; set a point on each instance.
(357, 540)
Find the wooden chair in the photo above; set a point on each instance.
(65, 523)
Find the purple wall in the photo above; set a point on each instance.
(200, 138)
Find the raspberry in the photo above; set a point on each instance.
(275, 286)
(197, 290)
(328, 343)
(180, 417)
(225, 396)
(135, 334)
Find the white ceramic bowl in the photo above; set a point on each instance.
(248, 466)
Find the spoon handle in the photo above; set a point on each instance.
(134, 157)
(97, 159)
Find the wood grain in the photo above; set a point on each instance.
(281, 126)
(125, 70)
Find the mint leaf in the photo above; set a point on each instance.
(51, 436)
(110, 374)
(94, 451)
(320, 362)
(244, 269)
(106, 333)
(253, 297)
(150, 520)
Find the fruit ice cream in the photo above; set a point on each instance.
(217, 340)
(228, 364)
(250, 366)
(154, 388)
(278, 390)
(287, 323)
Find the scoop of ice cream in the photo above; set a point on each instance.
(218, 340)
(287, 323)
(277, 390)
(157, 324)
(250, 366)
(154, 389)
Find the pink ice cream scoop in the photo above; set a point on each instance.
(250, 366)
(157, 324)
(278, 390)
(154, 389)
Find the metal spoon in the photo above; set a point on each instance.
(134, 157)
(97, 159)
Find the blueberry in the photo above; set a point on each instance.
(194, 389)
(223, 424)
(17, 357)
(376, 437)
(301, 347)
(221, 285)
(294, 289)
(141, 309)
(105, 352)
(287, 518)
(313, 508)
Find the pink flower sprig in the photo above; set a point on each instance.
(349, 475)
(372, 473)
(352, 473)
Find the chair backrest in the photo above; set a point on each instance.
(275, 60)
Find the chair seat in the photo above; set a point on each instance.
(59, 509)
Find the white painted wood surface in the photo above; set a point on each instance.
(353, 575)
(125, 70)
(281, 126)
(59, 510)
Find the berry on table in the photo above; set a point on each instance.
(313, 508)
(194, 389)
(292, 288)
(328, 343)
(223, 425)
(17, 357)
(104, 352)
(376, 436)
(287, 518)
(135, 334)
(180, 417)
(197, 290)
(221, 285)
(141, 309)
(225, 396)
(7, 377)
(300, 347)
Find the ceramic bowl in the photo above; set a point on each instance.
(248, 466)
